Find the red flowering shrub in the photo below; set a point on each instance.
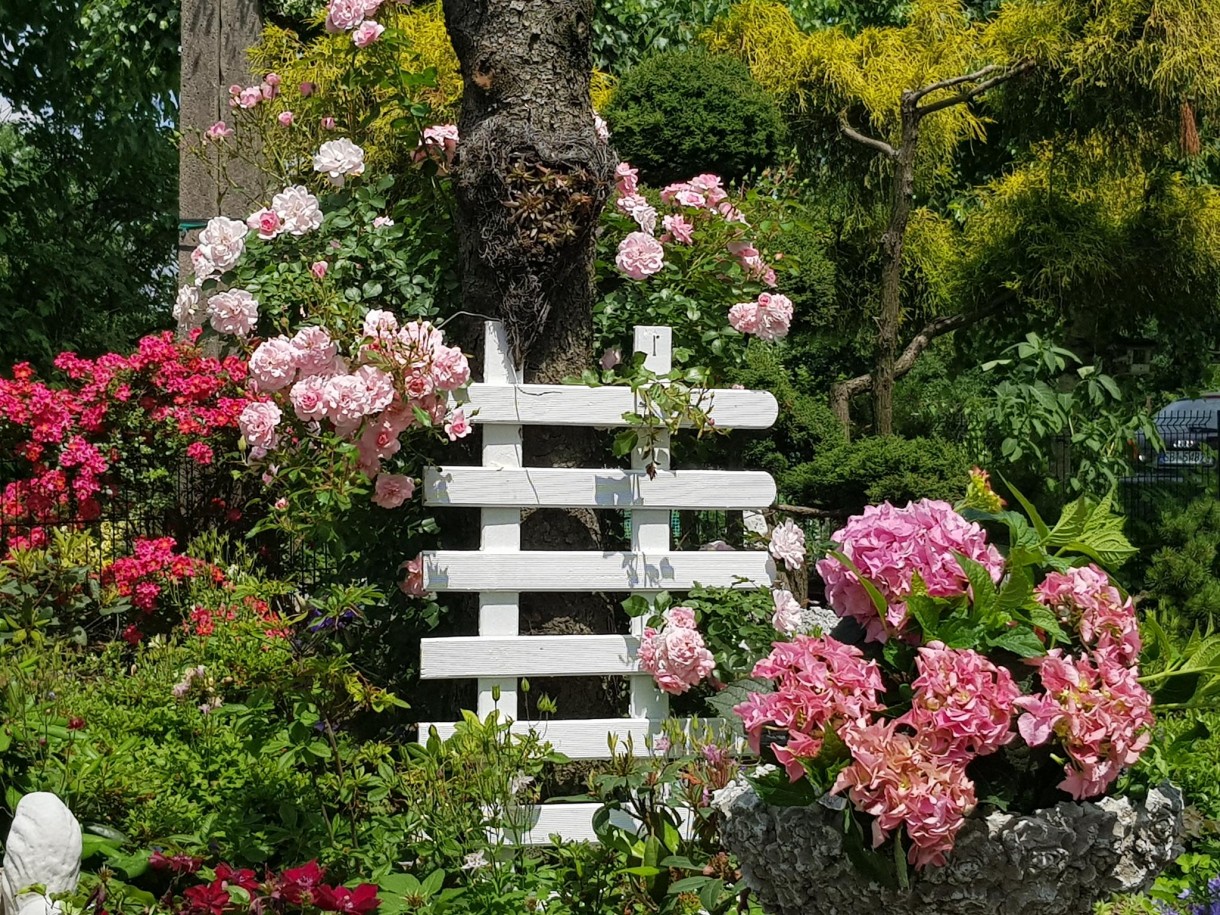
(232, 891)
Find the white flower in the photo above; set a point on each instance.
(339, 159)
(763, 770)
(599, 126)
(474, 861)
(519, 783)
(298, 208)
(186, 308)
(787, 618)
(220, 244)
(788, 545)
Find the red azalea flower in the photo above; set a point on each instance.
(299, 883)
(360, 901)
(211, 899)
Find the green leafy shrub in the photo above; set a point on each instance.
(1184, 577)
(680, 113)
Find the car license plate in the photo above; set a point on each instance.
(1182, 458)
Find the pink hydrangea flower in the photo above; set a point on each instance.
(366, 33)
(821, 684)
(273, 365)
(787, 616)
(392, 489)
(234, 312)
(788, 545)
(894, 777)
(457, 426)
(679, 229)
(1085, 598)
(963, 704)
(640, 256)
(675, 655)
(889, 546)
(266, 222)
(1097, 711)
(258, 422)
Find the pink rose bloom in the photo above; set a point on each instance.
(249, 97)
(392, 489)
(344, 15)
(266, 223)
(788, 545)
(299, 209)
(689, 198)
(640, 256)
(285, 118)
(705, 183)
(640, 210)
(889, 546)
(380, 438)
(744, 318)
(218, 131)
(680, 229)
(307, 89)
(1085, 599)
(379, 324)
(366, 33)
(346, 399)
(675, 655)
(450, 369)
(670, 192)
(328, 123)
(626, 179)
(457, 426)
(963, 704)
(308, 398)
(234, 312)
(258, 422)
(730, 213)
(273, 366)
(379, 388)
(787, 617)
(273, 80)
(610, 358)
(774, 316)
(439, 140)
(319, 268)
(339, 160)
(382, 222)
(315, 351)
(221, 244)
(413, 584)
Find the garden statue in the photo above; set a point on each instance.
(43, 849)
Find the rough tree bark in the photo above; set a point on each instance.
(531, 178)
(912, 111)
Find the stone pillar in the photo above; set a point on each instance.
(215, 36)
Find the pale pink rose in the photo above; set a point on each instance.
(413, 584)
(371, 7)
(315, 351)
(743, 317)
(319, 268)
(346, 398)
(249, 97)
(610, 358)
(266, 223)
(298, 208)
(273, 365)
(234, 312)
(218, 131)
(640, 256)
(379, 440)
(338, 160)
(273, 80)
(235, 90)
(457, 426)
(669, 193)
(221, 243)
(382, 222)
(366, 33)
(689, 198)
(676, 655)
(186, 306)
(450, 369)
(682, 617)
(308, 398)
(439, 140)
(392, 489)
(379, 388)
(600, 128)
(328, 123)
(380, 325)
(774, 316)
(705, 182)
(788, 545)
(626, 179)
(680, 228)
(640, 210)
(787, 616)
(730, 213)
(258, 422)
(344, 15)
(285, 118)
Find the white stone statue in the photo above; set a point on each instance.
(43, 848)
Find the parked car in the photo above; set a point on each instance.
(1190, 432)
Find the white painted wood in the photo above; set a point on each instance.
(575, 405)
(650, 531)
(547, 570)
(528, 656)
(544, 487)
(499, 611)
(571, 822)
(588, 738)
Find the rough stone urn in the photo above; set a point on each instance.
(1057, 861)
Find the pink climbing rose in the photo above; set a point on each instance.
(675, 654)
(234, 312)
(640, 256)
(266, 223)
(392, 489)
(273, 365)
(787, 616)
(768, 318)
(367, 33)
(457, 425)
(788, 545)
(258, 422)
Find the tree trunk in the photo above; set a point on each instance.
(891, 277)
(531, 178)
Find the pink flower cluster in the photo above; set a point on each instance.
(350, 15)
(153, 565)
(675, 654)
(1085, 599)
(297, 889)
(398, 370)
(823, 685)
(896, 778)
(252, 96)
(1096, 709)
(768, 318)
(890, 546)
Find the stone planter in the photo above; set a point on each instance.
(1058, 861)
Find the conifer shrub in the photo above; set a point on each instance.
(685, 112)
(1184, 577)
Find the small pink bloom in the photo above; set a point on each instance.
(413, 584)
(392, 489)
(258, 422)
(250, 97)
(328, 123)
(787, 617)
(457, 426)
(272, 79)
(788, 545)
(626, 179)
(640, 256)
(285, 118)
(381, 222)
(308, 398)
(680, 228)
(366, 33)
(675, 655)
(610, 358)
(218, 131)
(266, 222)
(307, 89)
(319, 268)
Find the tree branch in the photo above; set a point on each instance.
(852, 134)
(956, 81)
(962, 97)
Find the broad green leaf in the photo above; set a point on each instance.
(982, 588)
(1020, 641)
(1034, 517)
(874, 595)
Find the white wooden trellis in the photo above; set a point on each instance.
(499, 571)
